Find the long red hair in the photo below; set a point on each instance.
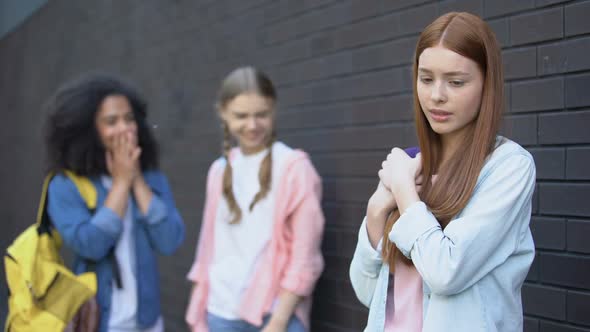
(469, 36)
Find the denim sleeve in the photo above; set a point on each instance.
(164, 224)
(482, 237)
(89, 235)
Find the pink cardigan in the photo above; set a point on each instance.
(293, 260)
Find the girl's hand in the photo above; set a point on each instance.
(275, 326)
(382, 202)
(123, 160)
(400, 173)
(400, 170)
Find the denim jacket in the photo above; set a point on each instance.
(92, 234)
(474, 269)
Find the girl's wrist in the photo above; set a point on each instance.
(121, 186)
(377, 211)
(138, 180)
(376, 201)
(405, 196)
(122, 182)
(279, 320)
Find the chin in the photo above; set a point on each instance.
(441, 128)
(254, 145)
(437, 128)
(440, 131)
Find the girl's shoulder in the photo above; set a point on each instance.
(507, 156)
(215, 172)
(281, 152)
(153, 175)
(287, 159)
(62, 184)
(506, 148)
(156, 179)
(74, 189)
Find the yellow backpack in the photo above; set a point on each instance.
(44, 294)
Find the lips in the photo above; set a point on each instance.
(439, 115)
(252, 137)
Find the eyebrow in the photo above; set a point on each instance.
(450, 73)
(110, 116)
(115, 115)
(238, 112)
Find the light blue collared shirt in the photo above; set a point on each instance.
(474, 269)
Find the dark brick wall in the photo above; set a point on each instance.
(343, 73)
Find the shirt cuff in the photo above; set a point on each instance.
(157, 211)
(108, 221)
(365, 244)
(370, 260)
(415, 221)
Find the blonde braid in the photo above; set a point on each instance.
(265, 173)
(228, 191)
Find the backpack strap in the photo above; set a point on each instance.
(82, 183)
(89, 195)
(41, 213)
(85, 187)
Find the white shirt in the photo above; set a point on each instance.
(123, 310)
(239, 247)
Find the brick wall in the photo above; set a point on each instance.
(343, 73)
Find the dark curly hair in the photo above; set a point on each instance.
(71, 136)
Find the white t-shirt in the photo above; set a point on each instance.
(123, 312)
(239, 247)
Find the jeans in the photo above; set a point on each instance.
(219, 324)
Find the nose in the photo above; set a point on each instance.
(251, 124)
(438, 93)
(123, 127)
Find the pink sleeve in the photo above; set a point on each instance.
(306, 223)
(196, 270)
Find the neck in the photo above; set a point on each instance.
(252, 150)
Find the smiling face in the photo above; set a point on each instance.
(449, 88)
(250, 120)
(115, 117)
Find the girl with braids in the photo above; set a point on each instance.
(445, 244)
(258, 256)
